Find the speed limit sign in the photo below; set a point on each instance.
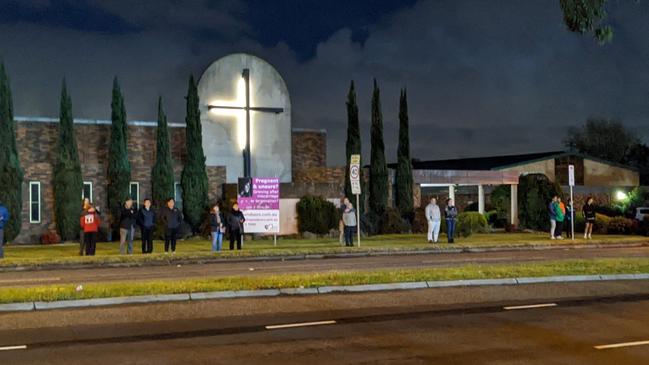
(354, 174)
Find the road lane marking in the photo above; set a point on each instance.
(10, 348)
(623, 344)
(531, 306)
(304, 324)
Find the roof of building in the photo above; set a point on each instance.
(499, 162)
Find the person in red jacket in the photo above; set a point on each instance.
(90, 225)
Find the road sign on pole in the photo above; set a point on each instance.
(355, 180)
(571, 182)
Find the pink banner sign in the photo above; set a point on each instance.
(261, 194)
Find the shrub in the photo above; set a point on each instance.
(393, 222)
(473, 207)
(316, 214)
(50, 237)
(535, 192)
(419, 223)
(609, 210)
(469, 223)
(643, 227)
(601, 223)
(620, 225)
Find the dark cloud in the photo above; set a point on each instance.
(483, 77)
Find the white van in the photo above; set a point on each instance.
(641, 213)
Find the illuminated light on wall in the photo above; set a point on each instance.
(239, 101)
(620, 195)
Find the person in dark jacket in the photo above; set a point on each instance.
(589, 217)
(146, 220)
(235, 226)
(450, 212)
(126, 224)
(217, 226)
(172, 218)
(4, 218)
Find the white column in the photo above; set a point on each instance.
(481, 199)
(513, 218)
(451, 192)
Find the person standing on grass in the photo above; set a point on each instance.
(235, 226)
(217, 224)
(560, 216)
(146, 220)
(589, 217)
(85, 205)
(349, 219)
(553, 216)
(126, 224)
(341, 224)
(4, 218)
(451, 216)
(434, 218)
(90, 225)
(172, 218)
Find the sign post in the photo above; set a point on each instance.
(571, 182)
(355, 180)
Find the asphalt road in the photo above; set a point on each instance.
(173, 272)
(431, 326)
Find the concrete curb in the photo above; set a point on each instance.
(86, 303)
(324, 256)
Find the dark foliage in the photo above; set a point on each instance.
(403, 179)
(67, 178)
(11, 174)
(378, 199)
(535, 193)
(316, 214)
(194, 176)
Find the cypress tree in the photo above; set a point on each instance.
(119, 167)
(194, 176)
(162, 173)
(378, 167)
(353, 146)
(67, 178)
(11, 174)
(403, 185)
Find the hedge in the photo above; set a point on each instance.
(317, 215)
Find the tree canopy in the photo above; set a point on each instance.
(587, 16)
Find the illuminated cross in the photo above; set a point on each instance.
(247, 108)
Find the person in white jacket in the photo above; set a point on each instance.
(434, 218)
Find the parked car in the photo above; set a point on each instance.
(641, 213)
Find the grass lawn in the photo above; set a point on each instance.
(196, 249)
(102, 290)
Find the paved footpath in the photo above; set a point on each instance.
(223, 269)
(568, 323)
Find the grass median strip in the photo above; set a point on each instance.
(121, 289)
(196, 250)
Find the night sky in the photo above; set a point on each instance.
(483, 77)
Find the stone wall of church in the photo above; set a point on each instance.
(37, 151)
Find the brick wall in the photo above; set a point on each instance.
(309, 149)
(37, 149)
